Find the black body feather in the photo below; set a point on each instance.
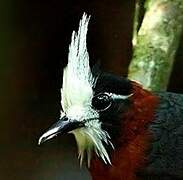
(165, 156)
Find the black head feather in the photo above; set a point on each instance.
(110, 83)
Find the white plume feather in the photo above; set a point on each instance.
(77, 77)
(77, 94)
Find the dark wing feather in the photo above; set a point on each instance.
(166, 153)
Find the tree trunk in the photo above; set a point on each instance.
(156, 43)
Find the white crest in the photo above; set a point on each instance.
(77, 77)
(77, 94)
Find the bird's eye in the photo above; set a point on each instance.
(101, 101)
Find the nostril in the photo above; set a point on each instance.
(65, 118)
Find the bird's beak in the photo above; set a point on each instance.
(63, 126)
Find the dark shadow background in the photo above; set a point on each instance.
(34, 40)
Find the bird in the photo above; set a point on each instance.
(122, 130)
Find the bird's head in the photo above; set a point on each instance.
(92, 102)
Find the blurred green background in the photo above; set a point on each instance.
(34, 40)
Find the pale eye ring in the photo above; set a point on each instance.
(101, 101)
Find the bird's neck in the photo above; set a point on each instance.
(129, 155)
